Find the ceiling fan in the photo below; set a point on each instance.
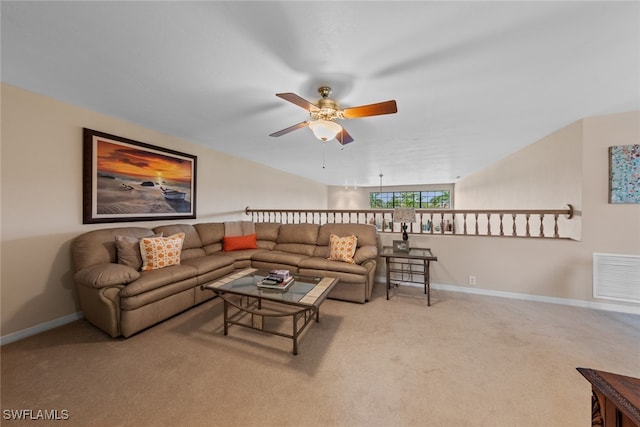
(325, 111)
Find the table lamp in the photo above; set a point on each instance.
(404, 216)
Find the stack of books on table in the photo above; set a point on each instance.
(277, 279)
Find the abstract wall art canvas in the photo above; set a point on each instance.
(624, 174)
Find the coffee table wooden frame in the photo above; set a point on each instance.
(251, 312)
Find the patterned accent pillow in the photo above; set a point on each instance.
(160, 252)
(342, 248)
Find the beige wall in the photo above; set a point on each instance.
(569, 166)
(42, 198)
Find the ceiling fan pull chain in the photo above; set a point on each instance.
(324, 143)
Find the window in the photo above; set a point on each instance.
(435, 199)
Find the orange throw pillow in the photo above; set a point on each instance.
(235, 243)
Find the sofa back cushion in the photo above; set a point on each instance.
(299, 233)
(99, 246)
(239, 228)
(297, 238)
(211, 234)
(192, 245)
(267, 234)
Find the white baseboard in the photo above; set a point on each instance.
(16, 336)
(527, 297)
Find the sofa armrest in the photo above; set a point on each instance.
(104, 275)
(364, 253)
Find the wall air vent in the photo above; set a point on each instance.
(616, 277)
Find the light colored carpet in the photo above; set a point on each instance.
(467, 360)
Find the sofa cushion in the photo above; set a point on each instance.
(154, 279)
(158, 300)
(295, 248)
(161, 252)
(210, 233)
(235, 243)
(267, 231)
(278, 257)
(298, 233)
(191, 236)
(267, 234)
(103, 275)
(239, 228)
(342, 248)
(206, 264)
(191, 246)
(323, 264)
(239, 255)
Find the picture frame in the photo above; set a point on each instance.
(624, 174)
(126, 180)
(401, 246)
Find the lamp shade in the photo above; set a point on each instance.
(404, 215)
(325, 130)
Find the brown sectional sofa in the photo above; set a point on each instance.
(121, 300)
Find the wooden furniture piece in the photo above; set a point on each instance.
(615, 399)
(404, 265)
(255, 305)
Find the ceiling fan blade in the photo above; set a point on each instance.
(343, 137)
(299, 101)
(289, 129)
(387, 107)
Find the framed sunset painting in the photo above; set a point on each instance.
(126, 180)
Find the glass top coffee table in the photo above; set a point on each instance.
(255, 306)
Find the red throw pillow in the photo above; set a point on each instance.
(234, 243)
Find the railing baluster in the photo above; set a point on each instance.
(488, 223)
(431, 227)
(477, 224)
(501, 225)
(541, 225)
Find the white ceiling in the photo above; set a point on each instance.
(474, 81)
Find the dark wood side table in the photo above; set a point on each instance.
(404, 265)
(615, 399)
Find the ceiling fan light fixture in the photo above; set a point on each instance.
(325, 130)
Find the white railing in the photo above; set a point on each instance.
(536, 223)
